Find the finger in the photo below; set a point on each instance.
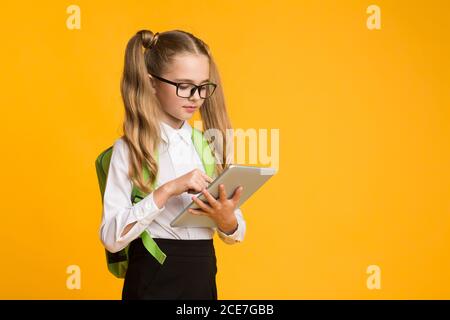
(202, 205)
(198, 212)
(237, 194)
(212, 202)
(196, 186)
(207, 178)
(222, 193)
(203, 183)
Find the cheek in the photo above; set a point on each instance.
(169, 99)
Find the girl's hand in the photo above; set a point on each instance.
(220, 210)
(194, 182)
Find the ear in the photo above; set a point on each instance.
(152, 83)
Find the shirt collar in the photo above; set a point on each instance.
(168, 133)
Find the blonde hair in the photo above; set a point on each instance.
(146, 54)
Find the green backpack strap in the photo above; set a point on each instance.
(136, 196)
(202, 147)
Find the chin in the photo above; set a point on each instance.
(186, 116)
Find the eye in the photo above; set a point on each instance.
(184, 86)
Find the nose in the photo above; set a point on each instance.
(195, 94)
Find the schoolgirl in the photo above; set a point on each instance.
(168, 77)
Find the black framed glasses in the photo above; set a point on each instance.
(187, 90)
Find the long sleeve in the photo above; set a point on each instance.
(118, 210)
(238, 234)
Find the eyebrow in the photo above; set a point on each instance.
(189, 80)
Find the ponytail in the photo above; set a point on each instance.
(141, 131)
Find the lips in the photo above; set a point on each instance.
(190, 109)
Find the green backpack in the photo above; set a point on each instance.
(118, 262)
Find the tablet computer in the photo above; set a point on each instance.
(249, 177)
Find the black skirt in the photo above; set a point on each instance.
(189, 271)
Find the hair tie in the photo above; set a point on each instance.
(154, 40)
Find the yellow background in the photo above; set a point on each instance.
(364, 142)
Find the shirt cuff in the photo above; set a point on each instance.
(229, 238)
(230, 234)
(146, 210)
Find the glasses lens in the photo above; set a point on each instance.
(206, 90)
(185, 90)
